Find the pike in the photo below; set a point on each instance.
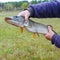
(31, 26)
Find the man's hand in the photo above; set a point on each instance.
(25, 14)
(50, 33)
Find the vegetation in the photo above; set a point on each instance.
(24, 5)
(17, 46)
(9, 6)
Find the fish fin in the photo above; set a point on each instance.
(34, 35)
(37, 34)
(21, 28)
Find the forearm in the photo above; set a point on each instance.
(56, 40)
(45, 10)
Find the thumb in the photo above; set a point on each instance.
(26, 19)
(49, 28)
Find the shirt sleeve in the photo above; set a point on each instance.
(56, 40)
(45, 10)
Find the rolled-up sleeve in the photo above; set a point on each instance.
(45, 10)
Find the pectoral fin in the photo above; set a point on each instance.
(35, 34)
(21, 28)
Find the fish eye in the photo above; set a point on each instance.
(15, 16)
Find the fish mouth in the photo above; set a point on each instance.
(10, 21)
(7, 19)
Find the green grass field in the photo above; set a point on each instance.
(17, 46)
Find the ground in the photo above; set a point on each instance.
(15, 45)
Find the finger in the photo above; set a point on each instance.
(21, 13)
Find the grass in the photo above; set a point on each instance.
(17, 46)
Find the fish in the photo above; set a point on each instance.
(31, 26)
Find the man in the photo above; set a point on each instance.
(45, 10)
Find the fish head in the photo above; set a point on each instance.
(15, 20)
